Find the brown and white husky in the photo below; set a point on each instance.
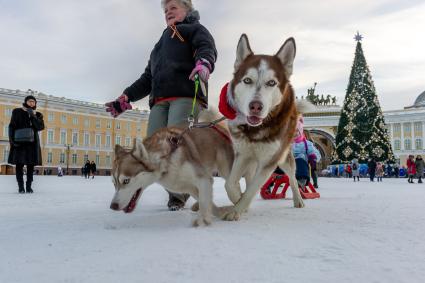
(181, 162)
(261, 107)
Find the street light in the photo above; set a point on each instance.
(68, 149)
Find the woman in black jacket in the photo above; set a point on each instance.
(25, 153)
(185, 51)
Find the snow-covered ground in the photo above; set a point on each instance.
(356, 232)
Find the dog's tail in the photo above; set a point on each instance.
(305, 106)
(211, 114)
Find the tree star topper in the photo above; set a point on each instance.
(358, 36)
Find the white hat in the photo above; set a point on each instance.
(186, 3)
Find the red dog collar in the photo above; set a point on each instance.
(223, 104)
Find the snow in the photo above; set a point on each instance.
(356, 232)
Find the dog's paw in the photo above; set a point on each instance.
(299, 203)
(231, 215)
(195, 206)
(201, 221)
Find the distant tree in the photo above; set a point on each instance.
(361, 130)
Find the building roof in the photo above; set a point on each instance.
(420, 100)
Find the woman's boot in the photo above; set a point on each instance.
(28, 187)
(21, 187)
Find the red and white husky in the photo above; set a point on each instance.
(260, 104)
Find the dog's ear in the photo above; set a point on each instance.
(139, 149)
(243, 50)
(286, 55)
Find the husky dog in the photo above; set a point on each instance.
(183, 161)
(260, 104)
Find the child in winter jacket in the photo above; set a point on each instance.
(305, 153)
(411, 168)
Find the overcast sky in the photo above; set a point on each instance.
(92, 49)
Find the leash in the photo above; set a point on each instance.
(191, 118)
(176, 140)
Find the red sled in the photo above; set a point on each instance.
(271, 189)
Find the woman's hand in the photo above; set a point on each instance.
(118, 106)
(203, 69)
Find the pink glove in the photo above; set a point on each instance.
(203, 69)
(118, 106)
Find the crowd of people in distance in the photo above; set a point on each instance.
(413, 169)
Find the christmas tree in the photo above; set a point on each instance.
(361, 130)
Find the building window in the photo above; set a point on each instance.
(62, 158)
(127, 141)
(74, 158)
(97, 160)
(63, 119)
(108, 160)
(97, 123)
(63, 137)
(86, 157)
(118, 140)
(97, 140)
(8, 112)
(86, 139)
(5, 154)
(418, 128)
(397, 128)
(75, 120)
(418, 144)
(86, 123)
(50, 136)
(118, 125)
(407, 128)
(397, 145)
(75, 138)
(108, 141)
(128, 126)
(139, 127)
(49, 157)
(51, 117)
(407, 144)
(108, 124)
(6, 131)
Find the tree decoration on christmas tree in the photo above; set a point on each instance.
(361, 130)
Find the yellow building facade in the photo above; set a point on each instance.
(75, 131)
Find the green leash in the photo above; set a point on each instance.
(191, 118)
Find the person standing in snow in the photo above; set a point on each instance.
(87, 169)
(411, 168)
(419, 164)
(371, 169)
(93, 169)
(355, 168)
(379, 171)
(25, 150)
(185, 51)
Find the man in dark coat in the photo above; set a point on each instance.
(371, 168)
(92, 169)
(87, 169)
(25, 153)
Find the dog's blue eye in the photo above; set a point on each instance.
(271, 83)
(126, 181)
(248, 81)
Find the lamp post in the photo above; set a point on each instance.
(68, 149)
